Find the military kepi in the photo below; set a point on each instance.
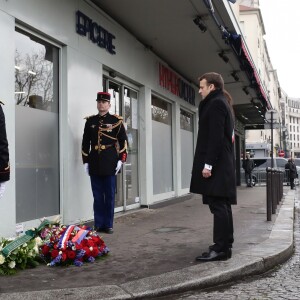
(103, 96)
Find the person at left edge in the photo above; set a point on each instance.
(103, 134)
(4, 153)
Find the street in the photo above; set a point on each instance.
(280, 283)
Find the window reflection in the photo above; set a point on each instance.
(36, 66)
(161, 111)
(186, 120)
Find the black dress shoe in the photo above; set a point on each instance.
(109, 230)
(229, 252)
(99, 229)
(212, 256)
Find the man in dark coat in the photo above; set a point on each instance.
(248, 166)
(104, 150)
(213, 173)
(291, 169)
(4, 154)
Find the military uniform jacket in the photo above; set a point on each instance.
(104, 142)
(4, 155)
(215, 147)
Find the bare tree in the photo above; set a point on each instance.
(33, 76)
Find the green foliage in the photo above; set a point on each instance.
(25, 256)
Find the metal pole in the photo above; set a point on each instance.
(269, 195)
(272, 162)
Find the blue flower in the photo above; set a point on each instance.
(78, 263)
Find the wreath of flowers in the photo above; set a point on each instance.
(73, 244)
(21, 258)
(52, 243)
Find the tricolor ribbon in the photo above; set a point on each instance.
(65, 237)
(81, 234)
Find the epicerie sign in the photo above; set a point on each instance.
(96, 33)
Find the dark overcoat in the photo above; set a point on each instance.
(104, 142)
(215, 147)
(292, 169)
(4, 154)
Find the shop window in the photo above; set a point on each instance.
(36, 68)
(37, 127)
(162, 146)
(187, 147)
(186, 120)
(161, 111)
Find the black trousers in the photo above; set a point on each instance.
(223, 223)
(248, 178)
(292, 182)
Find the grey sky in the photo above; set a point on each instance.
(282, 24)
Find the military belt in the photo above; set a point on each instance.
(104, 147)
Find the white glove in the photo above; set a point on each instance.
(119, 165)
(2, 189)
(86, 168)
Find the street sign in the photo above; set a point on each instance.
(269, 114)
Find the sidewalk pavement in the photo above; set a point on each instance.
(153, 252)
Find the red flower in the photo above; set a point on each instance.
(63, 256)
(54, 253)
(84, 242)
(45, 249)
(102, 247)
(95, 252)
(78, 246)
(87, 251)
(90, 243)
(96, 240)
(71, 254)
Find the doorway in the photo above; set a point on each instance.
(124, 102)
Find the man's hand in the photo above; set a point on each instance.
(86, 168)
(119, 165)
(206, 173)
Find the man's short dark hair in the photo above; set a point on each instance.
(213, 78)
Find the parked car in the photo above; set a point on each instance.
(297, 162)
(259, 173)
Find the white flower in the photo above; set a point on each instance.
(12, 264)
(30, 253)
(91, 248)
(2, 259)
(38, 241)
(24, 245)
(36, 249)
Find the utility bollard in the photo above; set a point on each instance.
(273, 188)
(269, 194)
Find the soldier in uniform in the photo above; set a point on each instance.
(104, 150)
(4, 154)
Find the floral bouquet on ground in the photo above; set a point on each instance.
(73, 244)
(24, 256)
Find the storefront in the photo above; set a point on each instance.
(55, 57)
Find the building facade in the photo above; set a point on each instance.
(52, 71)
(252, 27)
(55, 57)
(291, 134)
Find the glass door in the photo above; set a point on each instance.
(131, 166)
(124, 102)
